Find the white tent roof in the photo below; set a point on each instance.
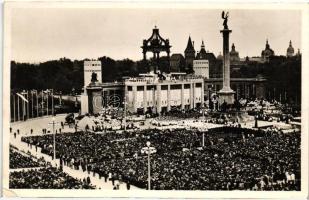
(86, 121)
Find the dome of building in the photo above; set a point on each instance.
(267, 52)
(234, 55)
(220, 57)
(290, 50)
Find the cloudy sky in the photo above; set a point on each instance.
(42, 34)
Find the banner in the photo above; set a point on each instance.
(22, 97)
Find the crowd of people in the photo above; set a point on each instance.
(176, 113)
(29, 172)
(46, 178)
(225, 158)
(22, 160)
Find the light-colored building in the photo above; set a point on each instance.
(201, 68)
(89, 67)
(150, 93)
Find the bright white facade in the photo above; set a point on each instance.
(201, 68)
(89, 67)
(178, 91)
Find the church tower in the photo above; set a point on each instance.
(189, 54)
(234, 55)
(267, 52)
(290, 50)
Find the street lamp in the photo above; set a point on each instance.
(125, 112)
(149, 150)
(54, 136)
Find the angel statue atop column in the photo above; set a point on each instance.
(225, 17)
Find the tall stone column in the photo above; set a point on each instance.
(182, 97)
(159, 99)
(202, 95)
(145, 99)
(191, 95)
(226, 59)
(134, 88)
(226, 94)
(168, 97)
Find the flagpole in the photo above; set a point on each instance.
(28, 112)
(14, 109)
(47, 102)
(18, 114)
(42, 103)
(24, 105)
(53, 102)
(31, 103)
(24, 108)
(37, 103)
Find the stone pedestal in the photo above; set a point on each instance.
(226, 94)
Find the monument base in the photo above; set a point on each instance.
(226, 96)
(95, 98)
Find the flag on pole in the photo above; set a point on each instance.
(22, 97)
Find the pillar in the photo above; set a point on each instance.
(191, 96)
(168, 97)
(226, 59)
(158, 105)
(182, 97)
(145, 99)
(134, 88)
(226, 94)
(202, 95)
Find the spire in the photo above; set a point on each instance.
(202, 46)
(267, 45)
(233, 47)
(290, 43)
(190, 45)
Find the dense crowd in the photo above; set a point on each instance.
(177, 113)
(33, 173)
(232, 157)
(22, 160)
(46, 178)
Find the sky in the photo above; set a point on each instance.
(41, 34)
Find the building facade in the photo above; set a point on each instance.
(244, 87)
(177, 91)
(201, 68)
(91, 66)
